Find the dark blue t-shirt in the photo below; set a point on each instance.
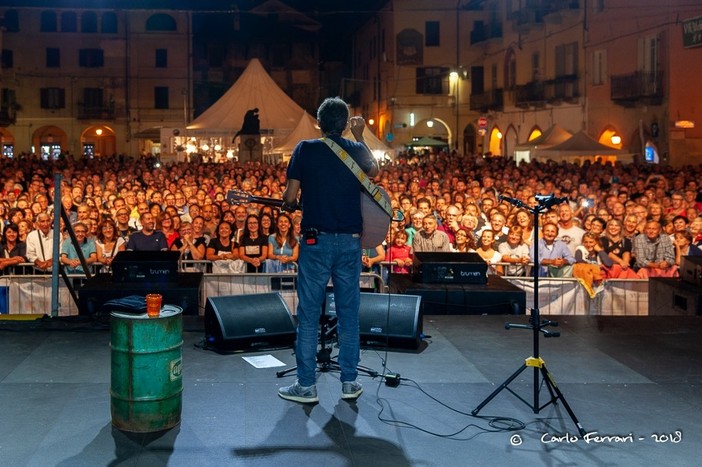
(154, 242)
(330, 191)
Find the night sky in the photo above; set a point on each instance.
(339, 18)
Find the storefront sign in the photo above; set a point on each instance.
(692, 32)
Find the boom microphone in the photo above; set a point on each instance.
(512, 201)
(508, 199)
(550, 200)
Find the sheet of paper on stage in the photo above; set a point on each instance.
(263, 361)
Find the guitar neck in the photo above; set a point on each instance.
(266, 201)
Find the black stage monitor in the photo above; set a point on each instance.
(386, 320)
(248, 322)
(449, 268)
(152, 266)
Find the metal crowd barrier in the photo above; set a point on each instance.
(24, 290)
(565, 296)
(30, 293)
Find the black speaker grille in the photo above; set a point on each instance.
(387, 319)
(240, 321)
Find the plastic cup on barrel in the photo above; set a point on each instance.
(153, 305)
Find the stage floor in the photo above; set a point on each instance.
(634, 378)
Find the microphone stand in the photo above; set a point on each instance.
(538, 326)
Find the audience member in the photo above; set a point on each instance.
(121, 218)
(515, 252)
(283, 246)
(429, 239)
(191, 248)
(654, 252)
(450, 224)
(253, 247)
(399, 253)
(222, 250)
(165, 225)
(12, 250)
(555, 258)
(371, 259)
(590, 259)
(618, 248)
(108, 243)
(40, 243)
(465, 241)
(487, 251)
(415, 226)
(568, 231)
(69, 252)
(684, 247)
(148, 238)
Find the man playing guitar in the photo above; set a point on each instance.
(332, 225)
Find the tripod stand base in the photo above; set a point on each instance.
(327, 363)
(539, 370)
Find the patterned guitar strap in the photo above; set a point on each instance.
(368, 185)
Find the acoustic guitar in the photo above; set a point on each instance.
(375, 220)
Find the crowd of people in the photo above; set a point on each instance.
(616, 221)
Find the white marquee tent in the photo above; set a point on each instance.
(278, 113)
(551, 137)
(307, 129)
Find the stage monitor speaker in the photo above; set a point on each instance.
(387, 320)
(671, 296)
(242, 322)
(141, 266)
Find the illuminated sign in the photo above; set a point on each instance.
(692, 32)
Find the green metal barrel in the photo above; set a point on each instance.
(147, 361)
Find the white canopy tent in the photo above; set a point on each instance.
(379, 149)
(307, 129)
(278, 113)
(211, 134)
(552, 136)
(581, 147)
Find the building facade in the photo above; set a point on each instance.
(100, 80)
(487, 75)
(88, 81)
(644, 66)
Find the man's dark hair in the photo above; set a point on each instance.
(332, 116)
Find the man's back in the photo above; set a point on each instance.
(330, 191)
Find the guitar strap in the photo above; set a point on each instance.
(367, 185)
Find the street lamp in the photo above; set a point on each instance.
(98, 149)
(453, 80)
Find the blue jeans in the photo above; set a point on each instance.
(335, 256)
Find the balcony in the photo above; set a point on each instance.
(560, 9)
(564, 88)
(486, 101)
(532, 94)
(532, 14)
(536, 12)
(554, 91)
(555, 6)
(92, 112)
(484, 32)
(8, 116)
(637, 88)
